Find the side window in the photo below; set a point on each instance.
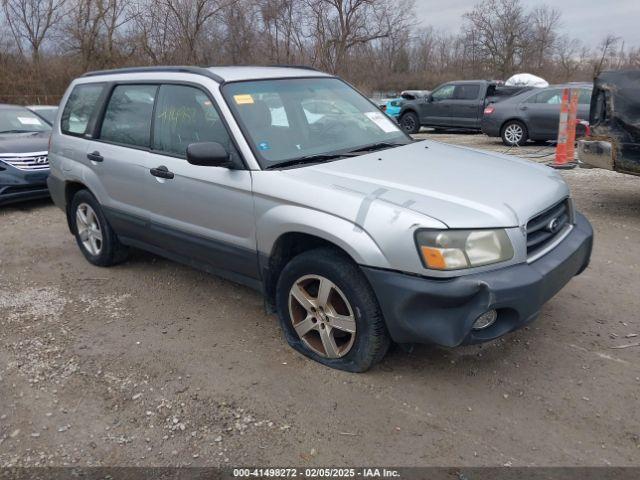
(585, 97)
(466, 92)
(444, 93)
(185, 115)
(127, 119)
(550, 97)
(80, 107)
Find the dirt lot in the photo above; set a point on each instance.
(153, 363)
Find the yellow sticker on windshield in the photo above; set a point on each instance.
(243, 99)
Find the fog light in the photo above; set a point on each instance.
(485, 320)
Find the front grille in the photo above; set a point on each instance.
(27, 161)
(544, 228)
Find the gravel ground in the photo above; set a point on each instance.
(153, 363)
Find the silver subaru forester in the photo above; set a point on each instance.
(290, 181)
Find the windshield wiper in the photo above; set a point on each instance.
(323, 157)
(19, 131)
(316, 158)
(377, 146)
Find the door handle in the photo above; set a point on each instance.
(95, 156)
(161, 172)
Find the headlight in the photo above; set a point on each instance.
(455, 249)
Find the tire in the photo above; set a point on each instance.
(95, 237)
(514, 133)
(410, 122)
(351, 304)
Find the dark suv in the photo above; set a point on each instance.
(24, 165)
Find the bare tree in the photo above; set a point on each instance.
(372, 43)
(340, 25)
(173, 30)
(502, 31)
(544, 23)
(283, 24)
(31, 21)
(606, 48)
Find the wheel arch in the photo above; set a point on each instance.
(514, 119)
(406, 109)
(71, 187)
(277, 246)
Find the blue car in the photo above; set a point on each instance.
(393, 107)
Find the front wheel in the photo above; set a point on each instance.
(410, 122)
(514, 133)
(329, 312)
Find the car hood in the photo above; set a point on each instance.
(460, 187)
(24, 142)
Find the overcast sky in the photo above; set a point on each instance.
(589, 20)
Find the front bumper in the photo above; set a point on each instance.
(17, 185)
(442, 311)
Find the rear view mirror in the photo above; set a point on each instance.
(208, 154)
(428, 97)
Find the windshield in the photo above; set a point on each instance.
(47, 113)
(21, 120)
(298, 118)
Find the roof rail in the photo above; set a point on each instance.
(179, 69)
(301, 67)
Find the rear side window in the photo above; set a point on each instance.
(80, 108)
(127, 118)
(585, 97)
(550, 97)
(466, 92)
(185, 115)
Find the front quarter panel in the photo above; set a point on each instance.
(374, 229)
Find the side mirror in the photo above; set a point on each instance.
(428, 97)
(208, 154)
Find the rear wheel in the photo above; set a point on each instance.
(95, 237)
(329, 313)
(514, 133)
(410, 122)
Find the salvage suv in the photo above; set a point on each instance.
(356, 235)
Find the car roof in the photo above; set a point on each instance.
(222, 74)
(570, 85)
(232, 74)
(466, 81)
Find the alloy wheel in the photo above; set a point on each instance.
(408, 123)
(89, 229)
(513, 133)
(322, 316)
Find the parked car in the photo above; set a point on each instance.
(614, 140)
(393, 107)
(453, 105)
(24, 167)
(46, 112)
(532, 115)
(356, 235)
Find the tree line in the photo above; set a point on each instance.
(376, 44)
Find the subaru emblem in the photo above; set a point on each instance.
(554, 225)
